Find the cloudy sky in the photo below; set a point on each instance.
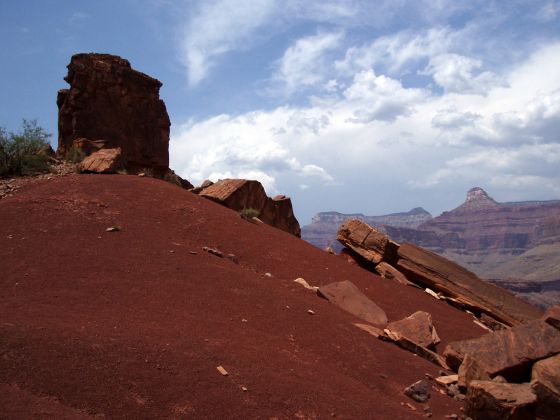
(348, 105)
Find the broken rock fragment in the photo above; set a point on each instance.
(104, 161)
(417, 327)
(545, 381)
(366, 241)
(418, 391)
(347, 296)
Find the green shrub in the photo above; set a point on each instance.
(75, 155)
(20, 153)
(249, 213)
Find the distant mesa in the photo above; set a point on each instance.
(110, 105)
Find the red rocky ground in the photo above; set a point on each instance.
(133, 323)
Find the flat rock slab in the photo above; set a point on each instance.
(387, 271)
(509, 353)
(366, 241)
(441, 275)
(545, 381)
(417, 327)
(490, 400)
(347, 296)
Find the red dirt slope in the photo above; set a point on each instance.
(134, 323)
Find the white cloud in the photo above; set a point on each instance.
(457, 73)
(221, 26)
(304, 63)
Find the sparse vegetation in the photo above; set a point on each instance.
(173, 178)
(249, 213)
(148, 172)
(75, 155)
(24, 153)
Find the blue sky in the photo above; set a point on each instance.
(354, 106)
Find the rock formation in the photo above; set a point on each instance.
(112, 104)
(244, 194)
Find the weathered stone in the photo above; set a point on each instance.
(366, 241)
(415, 348)
(387, 271)
(469, 371)
(447, 380)
(545, 381)
(88, 146)
(509, 353)
(109, 100)
(240, 194)
(418, 391)
(417, 327)
(441, 275)
(487, 400)
(347, 296)
(552, 316)
(306, 285)
(104, 161)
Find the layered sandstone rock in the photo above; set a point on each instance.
(510, 352)
(104, 161)
(437, 273)
(348, 297)
(241, 194)
(366, 241)
(490, 400)
(112, 103)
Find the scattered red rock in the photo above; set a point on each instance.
(243, 194)
(545, 381)
(110, 103)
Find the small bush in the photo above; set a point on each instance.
(249, 213)
(20, 153)
(75, 155)
(148, 172)
(173, 178)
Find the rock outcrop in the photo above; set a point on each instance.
(490, 400)
(509, 353)
(109, 102)
(103, 161)
(545, 381)
(367, 242)
(243, 194)
(417, 327)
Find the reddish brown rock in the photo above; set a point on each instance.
(545, 381)
(109, 101)
(104, 161)
(417, 327)
(470, 371)
(240, 194)
(389, 272)
(347, 296)
(510, 352)
(366, 241)
(552, 316)
(441, 275)
(490, 400)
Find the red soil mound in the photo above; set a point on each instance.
(133, 323)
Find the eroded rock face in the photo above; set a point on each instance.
(110, 102)
(366, 241)
(347, 296)
(104, 161)
(240, 194)
(510, 352)
(442, 275)
(490, 400)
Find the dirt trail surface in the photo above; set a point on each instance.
(133, 323)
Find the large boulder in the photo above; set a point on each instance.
(430, 270)
(510, 352)
(489, 400)
(110, 102)
(545, 381)
(243, 194)
(366, 241)
(347, 296)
